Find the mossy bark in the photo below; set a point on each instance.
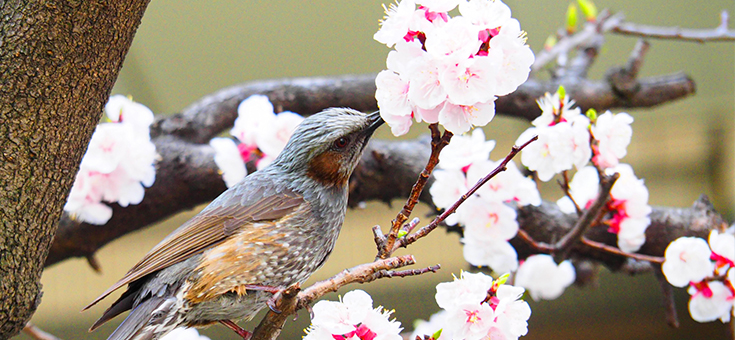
(58, 63)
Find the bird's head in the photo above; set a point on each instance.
(327, 146)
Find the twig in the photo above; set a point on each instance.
(36, 333)
(408, 272)
(719, 33)
(617, 251)
(438, 142)
(540, 247)
(564, 184)
(668, 298)
(604, 22)
(565, 244)
(291, 300)
(409, 239)
(624, 79)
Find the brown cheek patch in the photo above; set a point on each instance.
(325, 169)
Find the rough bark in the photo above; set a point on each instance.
(58, 63)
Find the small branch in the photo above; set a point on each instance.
(564, 184)
(540, 247)
(719, 33)
(617, 251)
(36, 333)
(438, 142)
(409, 239)
(585, 221)
(291, 300)
(667, 291)
(408, 272)
(604, 22)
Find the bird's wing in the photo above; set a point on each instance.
(220, 219)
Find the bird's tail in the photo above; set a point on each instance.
(150, 320)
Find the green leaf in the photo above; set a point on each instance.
(571, 18)
(588, 9)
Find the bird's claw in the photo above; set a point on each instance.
(237, 329)
(272, 304)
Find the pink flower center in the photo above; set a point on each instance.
(362, 332)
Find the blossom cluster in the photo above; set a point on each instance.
(118, 165)
(488, 216)
(628, 204)
(260, 135)
(706, 267)
(353, 317)
(477, 307)
(568, 139)
(448, 69)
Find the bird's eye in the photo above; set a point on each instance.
(341, 142)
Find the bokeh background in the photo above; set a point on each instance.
(187, 49)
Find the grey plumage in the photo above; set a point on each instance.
(274, 228)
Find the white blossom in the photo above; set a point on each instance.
(466, 149)
(354, 316)
(717, 304)
(395, 24)
(687, 260)
(184, 333)
(228, 160)
(498, 255)
(613, 133)
(253, 114)
(543, 278)
(118, 165)
(460, 118)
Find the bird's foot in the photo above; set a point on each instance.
(270, 289)
(237, 329)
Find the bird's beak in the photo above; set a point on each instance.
(375, 122)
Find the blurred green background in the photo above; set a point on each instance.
(187, 49)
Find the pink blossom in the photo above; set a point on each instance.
(543, 278)
(394, 25)
(509, 185)
(470, 81)
(392, 96)
(489, 221)
(552, 153)
(485, 14)
(118, 164)
(460, 118)
(468, 288)
(516, 59)
(425, 90)
(687, 260)
(717, 303)
(228, 160)
(470, 321)
(456, 40)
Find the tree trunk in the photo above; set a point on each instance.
(58, 63)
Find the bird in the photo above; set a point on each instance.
(272, 229)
